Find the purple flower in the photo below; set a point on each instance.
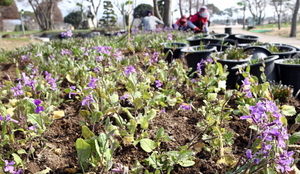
(118, 55)
(39, 109)
(170, 36)
(33, 127)
(23, 58)
(249, 154)
(9, 166)
(199, 65)
(1, 118)
(163, 111)
(125, 96)
(37, 102)
(8, 118)
(87, 100)
(17, 90)
(51, 81)
(130, 69)
(67, 33)
(97, 69)
(185, 106)
(158, 83)
(99, 58)
(92, 83)
(246, 87)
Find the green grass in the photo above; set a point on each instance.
(16, 39)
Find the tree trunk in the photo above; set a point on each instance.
(294, 20)
(156, 12)
(279, 21)
(168, 13)
(180, 7)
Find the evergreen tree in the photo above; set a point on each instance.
(109, 18)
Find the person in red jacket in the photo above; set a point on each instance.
(199, 21)
(181, 23)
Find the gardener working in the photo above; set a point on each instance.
(181, 23)
(149, 22)
(199, 21)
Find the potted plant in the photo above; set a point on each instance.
(196, 39)
(231, 57)
(283, 51)
(172, 50)
(215, 39)
(289, 73)
(195, 54)
(241, 38)
(256, 65)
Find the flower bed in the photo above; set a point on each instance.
(112, 105)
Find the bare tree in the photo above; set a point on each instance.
(44, 10)
(294, 20)
(155, 10)
(95, 7)
(168, 13)
(279, 10)
(256, 8)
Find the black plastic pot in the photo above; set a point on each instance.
(257, 52)
(289, 74)
(172, 50)
(196, 39)
(255, 69)
(193, 56)
(286, 51)
(245, 38)
(214, 39)
(232, 77)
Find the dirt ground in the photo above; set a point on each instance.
(7, 44)
(284, 32)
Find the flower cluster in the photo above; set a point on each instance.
(246, 87)
(185, 106)
(130, 69)
(272, 135)
(10, 168)
(38, 108)
(68, 33)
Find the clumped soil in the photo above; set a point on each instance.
(55, 149)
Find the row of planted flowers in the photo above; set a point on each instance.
(122, 86)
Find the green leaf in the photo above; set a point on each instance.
(288, 110)
(45, 171)
(68, 77)
(17, 159)
(211, 96)
(294, 137)
(185, 154)
(128, 2)
(114, 98)
(147, 144)
(151, 114)
(297, 119)
(138, 103)
(160, 133)
(83, 149)
(21, 151)
(86, 132)
(186, 163)
(144, 122)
